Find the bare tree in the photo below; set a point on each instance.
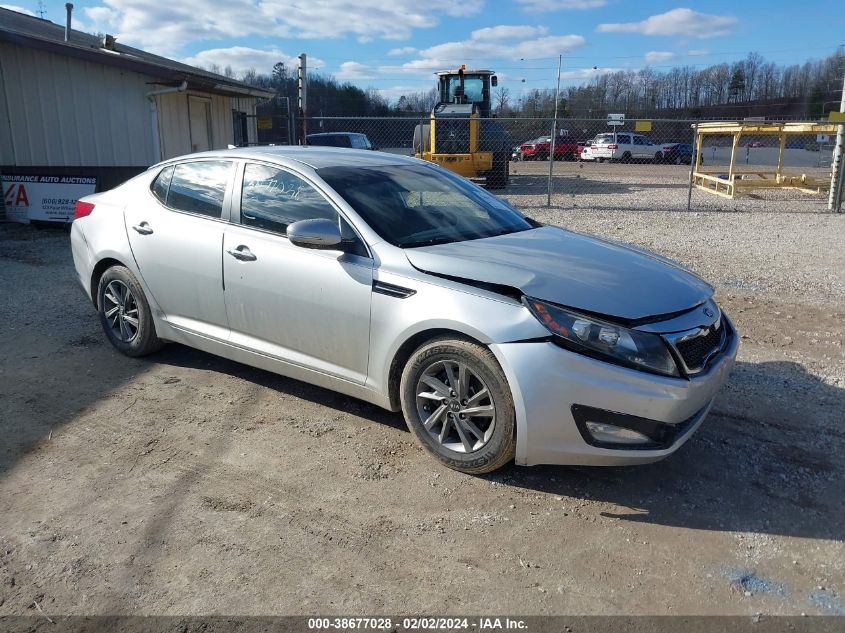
(503, 96)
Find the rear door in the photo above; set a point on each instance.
(176, 234)
(303, 306)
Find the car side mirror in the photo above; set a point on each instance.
(319, 233)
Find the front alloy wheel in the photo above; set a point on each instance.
(455, 407)
(457, 402)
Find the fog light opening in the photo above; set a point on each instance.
(602, 432)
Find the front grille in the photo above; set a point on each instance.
(697, 350)
(451, 137)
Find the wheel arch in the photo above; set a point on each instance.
(99, 270)
(408, 347)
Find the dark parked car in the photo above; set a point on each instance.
(340, 139)
(678, 153)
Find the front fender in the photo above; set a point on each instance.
(477, 314)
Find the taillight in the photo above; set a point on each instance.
(594, 146)
(612, 146)
(82, 209)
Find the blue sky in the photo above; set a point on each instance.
(396, 45)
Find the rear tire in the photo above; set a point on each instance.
(125, 313)
(422, 138)
(441, 380)
(497, 177)
(626, 157)
(658, 157)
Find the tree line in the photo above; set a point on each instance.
(732, 90)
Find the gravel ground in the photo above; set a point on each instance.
(187, 484)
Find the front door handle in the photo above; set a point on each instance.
(143, 228)
(242, 253)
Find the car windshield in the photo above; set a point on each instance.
(418, 205)
(604, 138)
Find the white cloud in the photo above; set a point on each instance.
(659, 56)
(698, 52)
(507, 32)
(487, 45)
(587, 73)
(394, 92)
(12, 7)
(168, 27)
(557, 5)
(243, 58)
(354, 71)
(676, 22)
(404, 50)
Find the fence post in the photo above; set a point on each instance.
(554, 134)
(834, 201)
(693, 163)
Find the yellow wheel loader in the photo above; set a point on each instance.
(460, 135)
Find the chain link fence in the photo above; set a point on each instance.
(640, 165)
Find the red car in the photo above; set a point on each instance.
(566, 148)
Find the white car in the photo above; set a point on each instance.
(397, 282)
(625, 147)
(587, 151)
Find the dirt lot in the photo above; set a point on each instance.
(186, 484)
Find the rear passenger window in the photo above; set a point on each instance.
(273, 198)
(199, 187)
(161, 183)
(624, 139)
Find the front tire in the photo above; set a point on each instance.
(125, 313)
(457, 403)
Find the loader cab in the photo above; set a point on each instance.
(467, 87)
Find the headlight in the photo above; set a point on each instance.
(593, 337)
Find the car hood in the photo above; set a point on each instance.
(570, 269)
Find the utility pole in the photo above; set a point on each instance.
(834, 201)
(302, 84)
(554, 134)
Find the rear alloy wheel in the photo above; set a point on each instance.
(457, 403)
(125, 314)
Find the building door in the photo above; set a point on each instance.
(199, 114)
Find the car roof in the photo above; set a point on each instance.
(319, 134)
(315, 157)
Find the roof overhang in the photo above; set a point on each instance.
(127, 61)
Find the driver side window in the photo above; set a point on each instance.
(272, 198)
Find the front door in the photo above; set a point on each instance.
(304, 306)
(176, 234)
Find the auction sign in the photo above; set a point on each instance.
(43, 198)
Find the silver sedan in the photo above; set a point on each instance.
(391, 280)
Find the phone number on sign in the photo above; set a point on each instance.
(408, 624)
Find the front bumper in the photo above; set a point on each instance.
(546, 381)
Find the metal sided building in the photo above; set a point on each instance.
(76, 107)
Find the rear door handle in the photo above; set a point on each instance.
(143, 228)
(242, 253)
